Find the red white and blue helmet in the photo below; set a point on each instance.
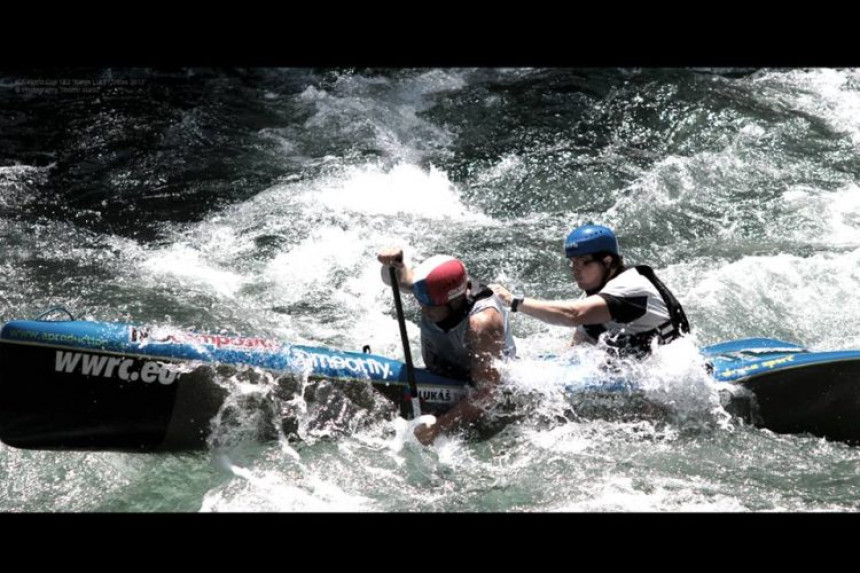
(438, 280)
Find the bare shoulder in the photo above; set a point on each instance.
(488, 321)
(486, 335)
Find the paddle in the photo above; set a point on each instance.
(412, 402)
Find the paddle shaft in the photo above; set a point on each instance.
(412, 401)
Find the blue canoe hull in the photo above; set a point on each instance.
(115, 386)
(789, 389)
(93, 385)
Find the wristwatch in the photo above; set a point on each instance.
(517, 301)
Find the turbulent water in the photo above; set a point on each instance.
(254, 202)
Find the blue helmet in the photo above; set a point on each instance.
(589, 239)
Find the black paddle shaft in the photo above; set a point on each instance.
(412, 398)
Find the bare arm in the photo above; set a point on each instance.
(591, 310)
(485, 340)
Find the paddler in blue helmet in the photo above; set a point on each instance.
(626, 308)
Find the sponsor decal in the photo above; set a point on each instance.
(361, 367)
(759, 366)
(442, 395)
(364, 368)
(67, 338)
(147, 336)
(126, 369)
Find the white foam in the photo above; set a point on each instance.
(190, 268)
(566, 439)
(266, 490)
(622, 494)
(814, 296)
(403, 190)
(383, 111)
(832, 218)
(832, 95)
(508, 165)
(309, 267)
